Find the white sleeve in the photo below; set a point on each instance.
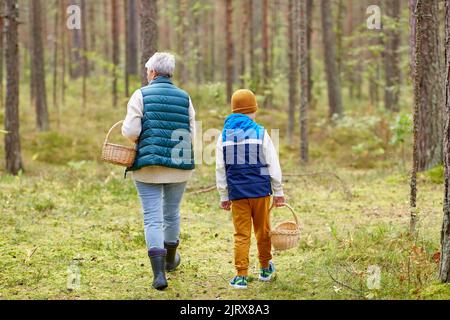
(221, 176)
(132, 125)
(192, 121)
(273, 164)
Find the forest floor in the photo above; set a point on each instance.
(70, 209)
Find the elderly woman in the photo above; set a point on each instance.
(161, 119)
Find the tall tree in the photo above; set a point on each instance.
(292, 50)
(304, 102)
(391, 56)
(182, 39)
(245, 23)
(254, 75)
(75, 63)
(229, 45)
(1, 51)
(329, 44)
(444, 267)
(115, 47)
(309, 31)
(84, 46)
(427, 83)
(149, 34)
(37, 67)
(12, 138)
(131, 33)
(265, 54)
(63, 29)
(55, 60)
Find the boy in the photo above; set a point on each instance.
(248, 172)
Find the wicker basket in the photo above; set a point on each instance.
(117, 154)
(286, 235)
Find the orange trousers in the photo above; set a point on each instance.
(246, 211)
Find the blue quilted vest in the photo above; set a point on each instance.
(245, 166)
(165, 138)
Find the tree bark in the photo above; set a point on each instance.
(265, 54)
(37, 68)
(292, 32)
(149, 34)
(391, 57)
(84, 61)
(182, 40)
(444, 266)
(1, 50)
(131, 33)
(115, 47)
(244, 39)
(55, 61)
(229, 44)
(329, 43)
(309, 14)
(304, 102)
(428, 84)
(12, 138)
(75, 52)
(63, 50)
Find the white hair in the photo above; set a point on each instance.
(162, 63)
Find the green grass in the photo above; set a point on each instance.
(68, 208)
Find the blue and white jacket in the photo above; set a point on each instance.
(247, 164)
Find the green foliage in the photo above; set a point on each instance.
(59, 148)
(436, 175)
(358, 140)
(401, 129)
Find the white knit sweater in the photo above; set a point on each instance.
(131, 129)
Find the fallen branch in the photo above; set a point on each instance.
(345, 188)
(360, 293)
(205, 190)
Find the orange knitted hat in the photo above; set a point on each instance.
(244, 101)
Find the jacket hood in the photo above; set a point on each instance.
(239, 127)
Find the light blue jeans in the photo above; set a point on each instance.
(161, 208)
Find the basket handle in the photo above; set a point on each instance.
(290, 208)
(110, 130)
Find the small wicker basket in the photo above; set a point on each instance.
(118, 154)
(286, 235)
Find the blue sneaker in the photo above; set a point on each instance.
(239, 282)
(267, 274)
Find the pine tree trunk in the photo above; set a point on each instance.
(244, 40)
(55, 61)
(115, 47)
(444, 266)
(309, 14)
(428, 84)
(229, 44)
(37, 68)
(293, 94)
(265, 54)
(76, 48)
(329, 43)
(251, 48)
(149, 34)
(304, 103)
(182, 40)
(63, 51)
(12, 138)
(391, 57)
(339, 33)
(84, 61)
(131, 32)
(1, 51)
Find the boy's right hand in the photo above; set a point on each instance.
(225, 205)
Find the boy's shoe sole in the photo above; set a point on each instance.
(267, 279)
(238, 287)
